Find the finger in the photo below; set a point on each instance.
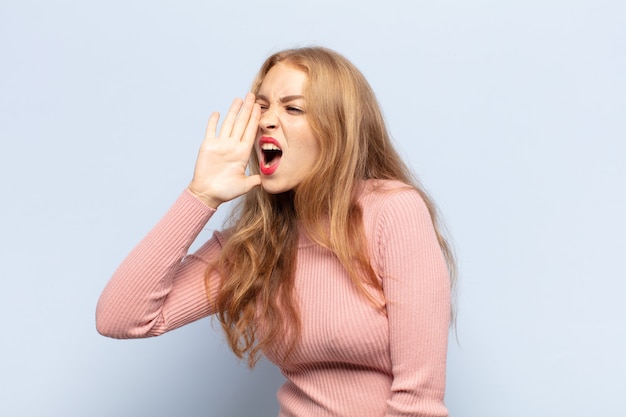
(244, 116)
(229, 120)
(249, 135)
(211, 127)
(252, 181)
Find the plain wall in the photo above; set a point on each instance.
(512, 113)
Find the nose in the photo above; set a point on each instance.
(269, 120)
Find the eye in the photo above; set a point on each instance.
(262, 106)
(294, 110)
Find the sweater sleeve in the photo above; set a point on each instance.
(416, 286)
(158, 287)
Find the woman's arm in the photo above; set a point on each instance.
(158, 287)
(416, 286)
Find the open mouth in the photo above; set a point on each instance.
(270, 155)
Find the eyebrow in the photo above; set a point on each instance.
(282, 99)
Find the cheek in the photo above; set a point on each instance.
(313, 155)
(315, 146)
(314, 152)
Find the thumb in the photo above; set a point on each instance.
(252, 181)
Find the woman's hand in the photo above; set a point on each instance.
(220, 172)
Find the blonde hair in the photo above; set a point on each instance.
(257, 263)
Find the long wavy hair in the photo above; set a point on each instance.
(258, 260)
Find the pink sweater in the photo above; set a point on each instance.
(352, 360)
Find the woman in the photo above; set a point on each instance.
(333, 268)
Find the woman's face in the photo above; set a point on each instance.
(286, 146)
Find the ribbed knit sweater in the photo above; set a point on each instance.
(352, 359)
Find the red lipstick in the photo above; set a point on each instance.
(270, 155)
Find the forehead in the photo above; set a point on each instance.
(282, 80)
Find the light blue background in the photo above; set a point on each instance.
(512, 113)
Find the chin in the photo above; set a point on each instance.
(271, 188)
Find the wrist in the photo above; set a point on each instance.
(207, 200)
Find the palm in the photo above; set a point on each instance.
(220, 172)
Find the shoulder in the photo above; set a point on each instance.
(389, 196)
(391, 207)
(396, 221)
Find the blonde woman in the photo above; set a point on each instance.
(333, 267)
